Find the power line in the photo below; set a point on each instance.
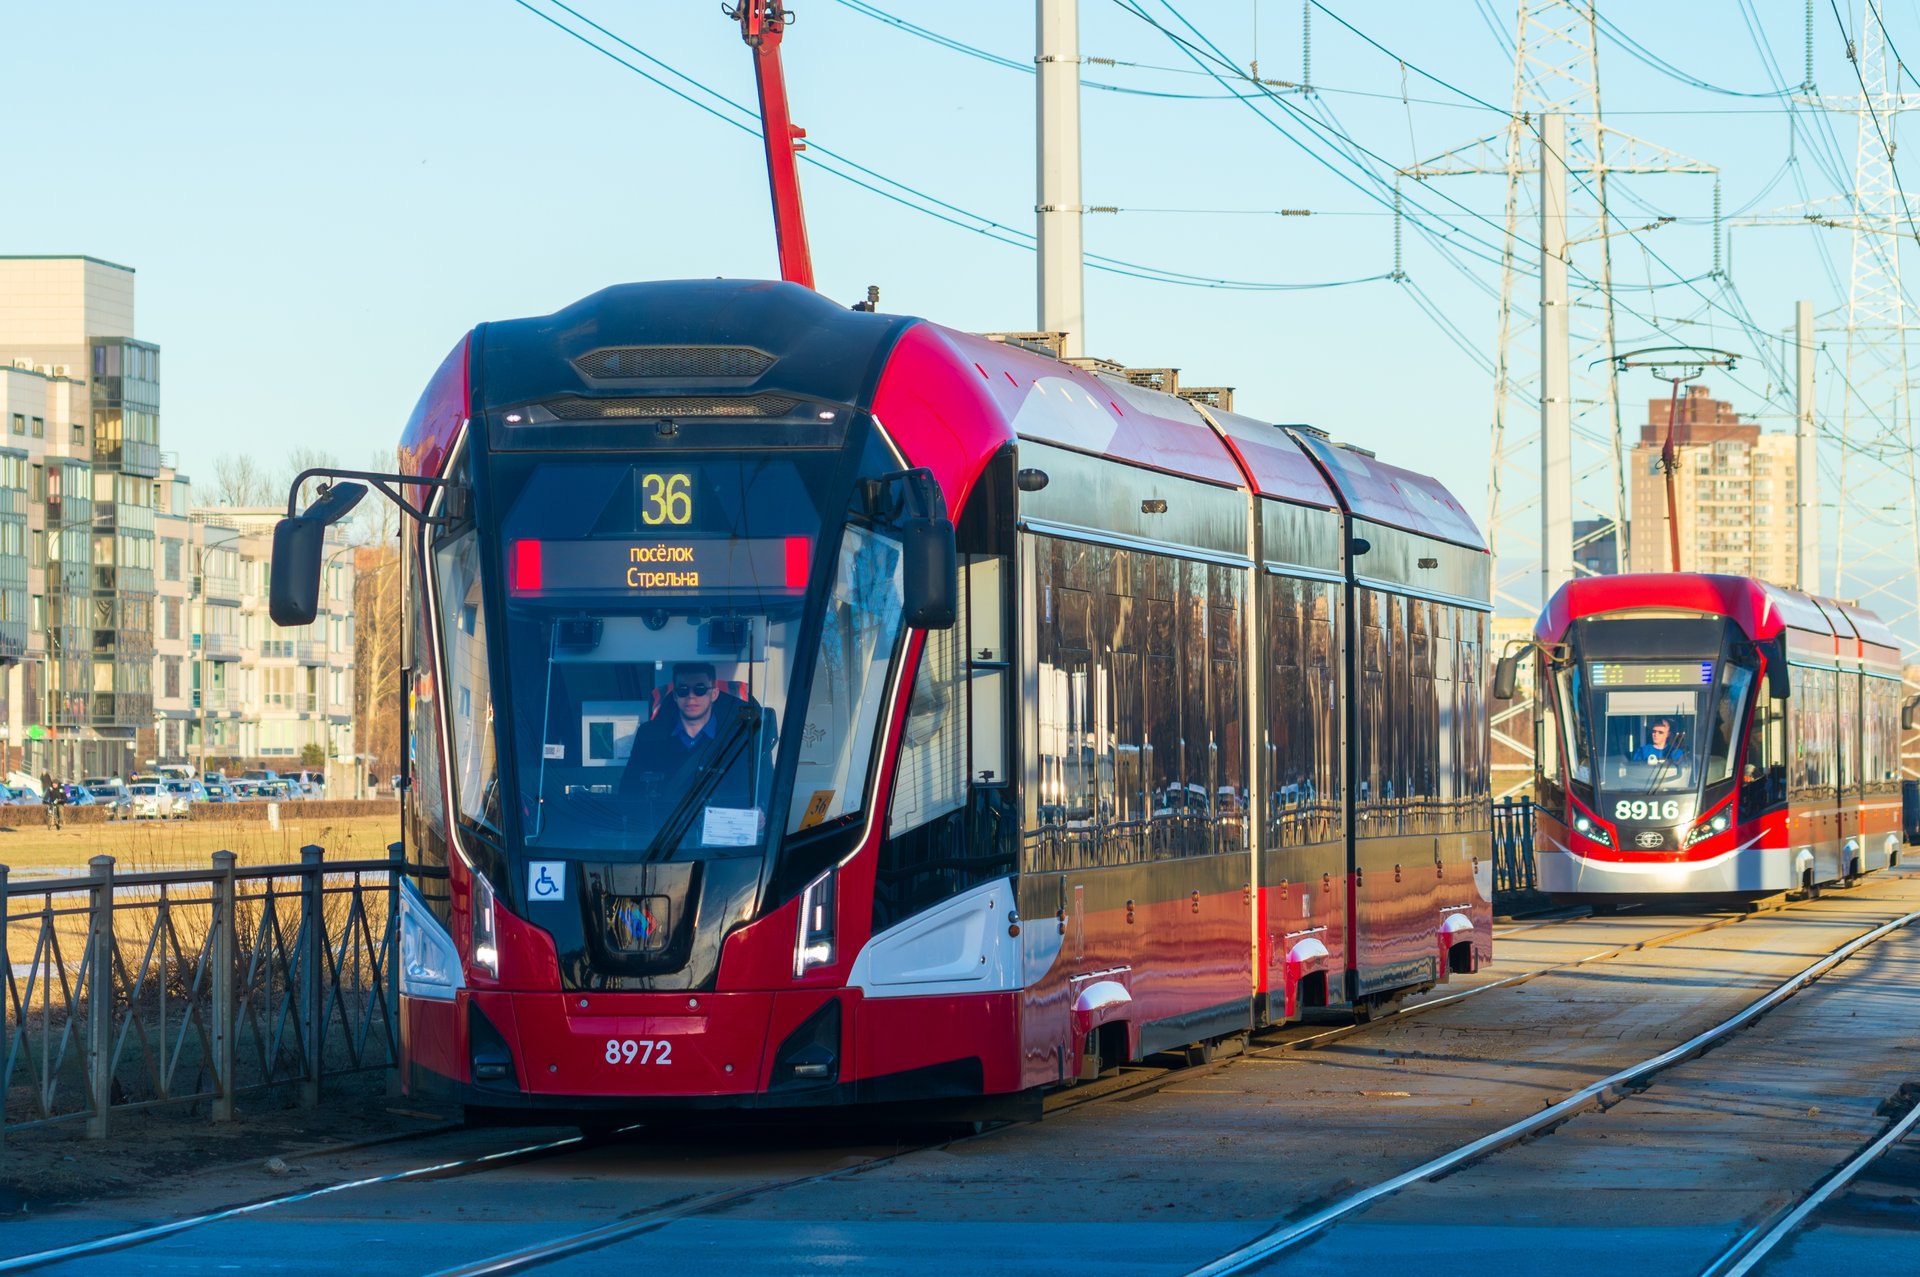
(908, 194)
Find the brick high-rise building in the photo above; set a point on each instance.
(1736, 493)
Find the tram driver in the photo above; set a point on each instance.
(697, 731)
(1665, 743)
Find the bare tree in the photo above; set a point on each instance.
(376, 530)
(238, 479)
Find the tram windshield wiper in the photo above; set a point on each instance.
(725, 751)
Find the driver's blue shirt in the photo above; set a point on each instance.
(706, 732)
(1648, 754)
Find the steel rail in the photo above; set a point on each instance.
(1754, 1246)
(1286, 1236)
(138, 1236)
(1061, 1101)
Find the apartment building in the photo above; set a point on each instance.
(1735, 493)
(81, 416)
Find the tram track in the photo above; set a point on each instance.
(1752, 1247)
(1286, 1235)
(1144, 1082)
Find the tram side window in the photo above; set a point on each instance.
(1813, 707)
(1880, 744)
(931, 778)
(1763, 774)
(469, 689)
(1285, 753)
(1371, 769)
(950, 826)
(1323, 734)
(1124, 728)
(1194, 810)
(426, 819)
(1724, 729)
(1849, 725)
(1226, 722)
(1166, 785)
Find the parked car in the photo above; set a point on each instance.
(243, 790)
(78, 795)
(146, 800)
(259, 775)
(219, 792)
(185, 794)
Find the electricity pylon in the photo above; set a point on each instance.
(1557, 447)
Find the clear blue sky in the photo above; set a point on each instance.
(319, 199)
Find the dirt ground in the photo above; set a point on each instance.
(43, 1169)
(136, 845)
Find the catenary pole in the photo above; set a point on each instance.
(1806, 468)
(1556, 402)
(1057, 59)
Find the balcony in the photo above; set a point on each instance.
(218, 589)
(310, 652)
(211, 699)
(217, 647)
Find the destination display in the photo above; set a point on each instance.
(1651, 674)
(658, 566)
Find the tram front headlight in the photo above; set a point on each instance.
(486, 937)
(1587, 827)
(813, 947)
(1718, 823)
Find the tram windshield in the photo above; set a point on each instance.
(657, 627)
(1652, 709)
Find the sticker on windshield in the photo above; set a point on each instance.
(554, 751)
(731, 827)
(816, 808)
(547, 880)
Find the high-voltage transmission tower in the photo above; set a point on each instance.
(1877, 549)
(1557, 449)
(1877, 543)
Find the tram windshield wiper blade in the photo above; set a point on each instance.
(726, 748)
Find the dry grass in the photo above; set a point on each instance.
(153, 844)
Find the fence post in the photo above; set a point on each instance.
(397, 868)
(313, 956)
(6, 1046)
(100, 996)
(225, 923)
(1526, 835)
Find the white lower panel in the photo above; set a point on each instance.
(958, 946)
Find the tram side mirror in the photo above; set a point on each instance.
(1506, 675)
(293, 591)
(912, 502)
(1779, 679)
(931, 574)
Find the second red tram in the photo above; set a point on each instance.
(722, 824)
(1711, 735)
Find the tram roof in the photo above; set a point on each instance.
(1762, 609)
(1384, 493)
(1050, 401)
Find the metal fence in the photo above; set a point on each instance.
(130, 991)
(1513, 847)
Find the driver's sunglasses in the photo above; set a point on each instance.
(696, 689)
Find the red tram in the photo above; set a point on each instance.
(730, 814)
(1711, 735)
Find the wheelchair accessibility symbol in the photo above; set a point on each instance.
(547, 880)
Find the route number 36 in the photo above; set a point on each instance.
(639, 1051)
(1668, 810)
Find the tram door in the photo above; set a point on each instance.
(1848, 828)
